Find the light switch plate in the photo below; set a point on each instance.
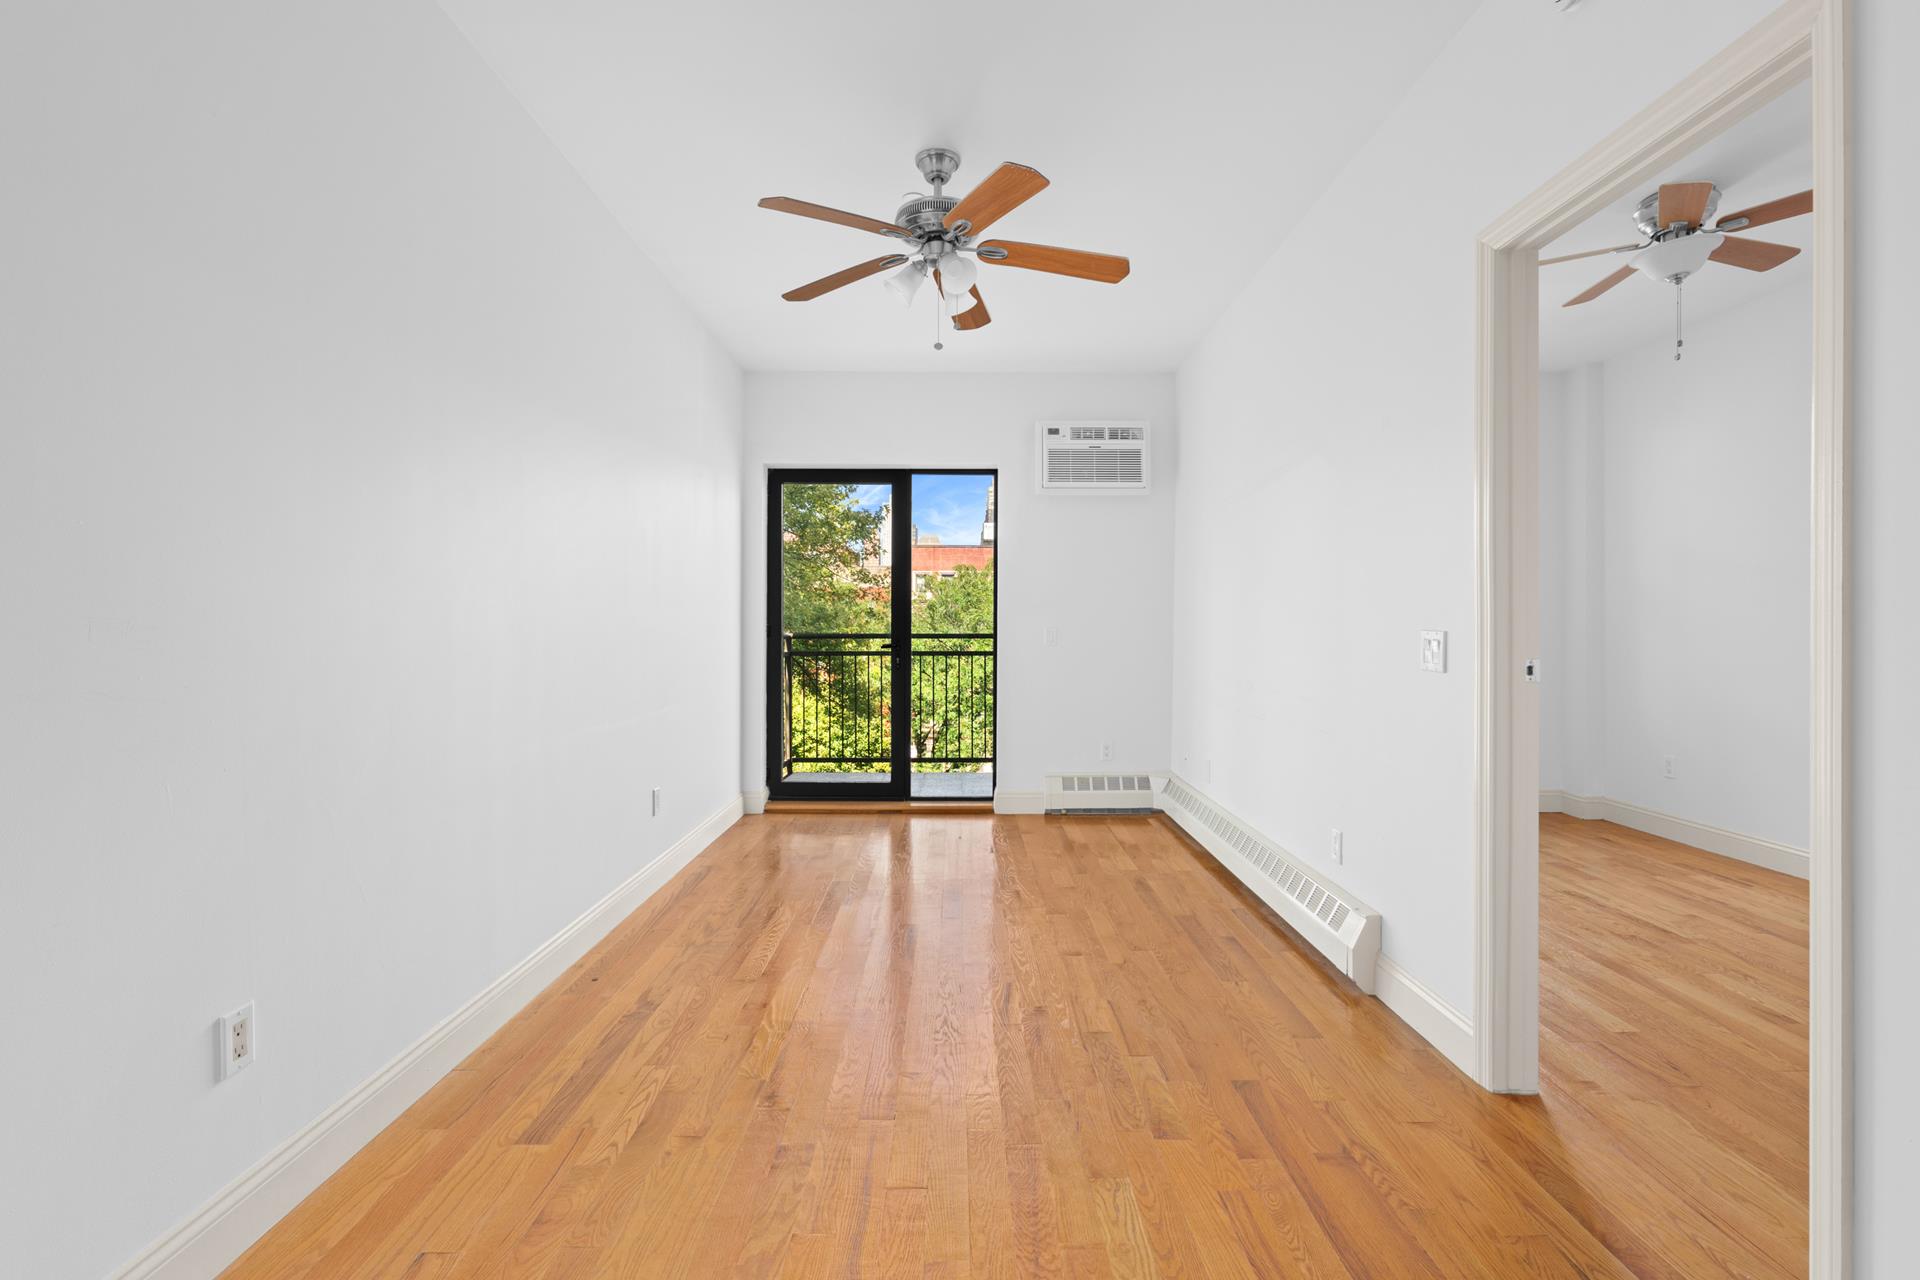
(1433, 651)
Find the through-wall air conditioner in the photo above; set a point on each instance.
(1093, 457)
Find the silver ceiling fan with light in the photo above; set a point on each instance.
(939, 241)
(1678, 242)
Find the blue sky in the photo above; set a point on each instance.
(950, 507)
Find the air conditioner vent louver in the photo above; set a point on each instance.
(1093, 456)
(1099, 793)
(1346, 930)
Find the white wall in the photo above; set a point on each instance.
(1884, 747)
(1095, 568)
(1331, 409)
(1675, 571)
(1329, 418)
(369, 543)
(1573, 727)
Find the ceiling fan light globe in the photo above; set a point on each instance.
(957, 274)
(1681, 256)
(905, 283)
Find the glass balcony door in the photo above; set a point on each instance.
(880, 635)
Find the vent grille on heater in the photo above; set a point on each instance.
(1105, 782)
(1333, 920)
(1099, 793)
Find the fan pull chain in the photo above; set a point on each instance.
(937, 344)
(1678, 340)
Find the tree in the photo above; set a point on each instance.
(953, 684)
(960, 605)
(832, 584)
(830, 575)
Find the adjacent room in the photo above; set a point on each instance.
(1675, 683)
(1239, 640)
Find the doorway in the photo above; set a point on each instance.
(881, 634)
(1802, 39)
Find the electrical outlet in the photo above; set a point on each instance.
(656, 802)
(1052, 637)
(1209, 770)
(1339, 848)
(237, 1041)
(1106, 751)
(1668, 767)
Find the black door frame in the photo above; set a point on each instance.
(900, 773)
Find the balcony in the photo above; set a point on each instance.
(839, 713)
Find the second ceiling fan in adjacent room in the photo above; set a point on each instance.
(1678, 242)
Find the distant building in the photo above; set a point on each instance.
(933, 559)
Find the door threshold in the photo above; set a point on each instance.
(879, 806)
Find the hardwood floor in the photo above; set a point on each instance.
(944, 1046)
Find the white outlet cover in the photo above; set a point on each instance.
(238, 1042)
(1433, 651)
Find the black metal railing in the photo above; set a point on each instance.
(839, 701)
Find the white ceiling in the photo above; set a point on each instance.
(1187, 137)
(1768, 154)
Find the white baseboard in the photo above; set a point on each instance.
(1439, 1023)
(1761, 853)
(1416, 1004)
(240, 1214)
(755, 801)
(1589, 808)
(1019, 802)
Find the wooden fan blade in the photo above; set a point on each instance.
(787, 204)
(1772, 211)
(1591, 253)
(1684, 202)
(1754, 255)
(976, 315)
(1003, 191)
(1599, 289)
(1104, 267)
(827, 284)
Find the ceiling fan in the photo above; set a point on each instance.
(1679, 243)
(939, 237)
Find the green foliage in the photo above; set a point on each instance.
(953, 684)
(832, 583)
(830, 579)
(957, 605)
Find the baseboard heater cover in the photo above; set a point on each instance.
(1099, 793)
(1343, 928)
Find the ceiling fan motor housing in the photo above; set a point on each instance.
(925, 215)
(1646, 216)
